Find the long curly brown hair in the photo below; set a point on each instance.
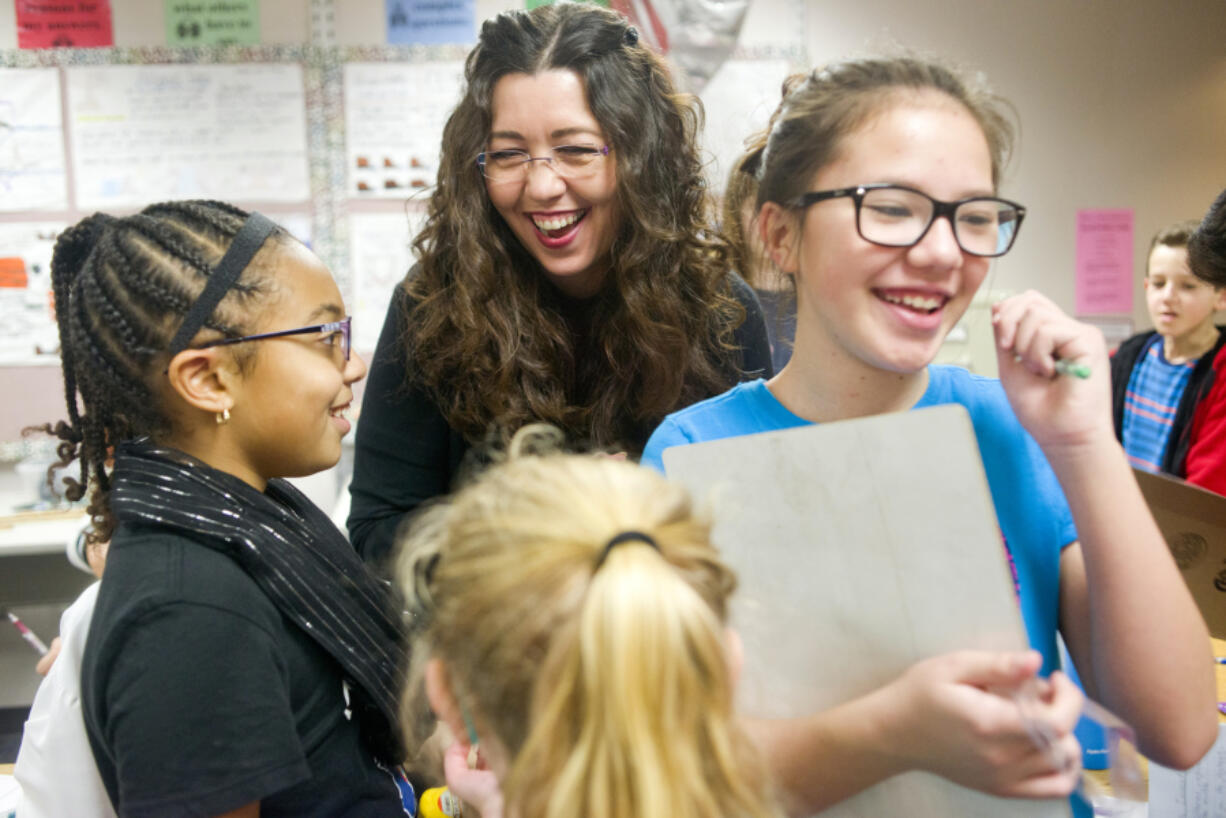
(488, 335)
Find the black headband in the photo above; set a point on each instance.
(249, 240)
(624, 537)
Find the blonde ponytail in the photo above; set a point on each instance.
(605, 677)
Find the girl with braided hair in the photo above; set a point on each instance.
(574, 614)
(240, 661)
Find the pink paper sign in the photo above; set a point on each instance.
(1104, 262)
(64, 24)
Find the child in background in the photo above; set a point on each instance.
(774, 290)
(1169, 393)
(575, 618)
(240, 660)
(878, 192)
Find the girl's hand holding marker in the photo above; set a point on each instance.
(1037, 342)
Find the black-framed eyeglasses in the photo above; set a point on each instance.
(899, 216)
(337, 330)
(569, 161)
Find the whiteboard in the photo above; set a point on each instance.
(861, 547)
(147, 133)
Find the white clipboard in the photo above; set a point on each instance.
(861, 547)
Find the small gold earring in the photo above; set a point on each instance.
(222, 417)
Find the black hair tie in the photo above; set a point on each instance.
(250, 238)
(624, 537)
(631, 37)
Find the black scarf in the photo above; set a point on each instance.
(294, 553)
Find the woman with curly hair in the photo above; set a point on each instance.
(567, 274)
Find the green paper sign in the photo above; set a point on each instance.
(531, 4)
(212, 22)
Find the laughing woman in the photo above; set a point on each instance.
(567, 270)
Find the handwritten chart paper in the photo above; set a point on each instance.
(852, 567)
(1104, 262)
(64, 24)
(27, 328)
(31, 141)
(394, 117)
(1198, 793)
(144, 133)
(380, 256)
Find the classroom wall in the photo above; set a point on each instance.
(1121, 105)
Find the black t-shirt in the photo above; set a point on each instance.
(405, 451)
(199, 697)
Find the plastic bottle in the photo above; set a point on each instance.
(438, 802)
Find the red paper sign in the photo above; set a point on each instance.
(64, 24)
(13, 272)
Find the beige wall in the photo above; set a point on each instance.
(1121, 105)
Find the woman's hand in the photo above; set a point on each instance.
(1059, 411)
(986, 721)
(475, 786)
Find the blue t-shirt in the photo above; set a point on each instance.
(1150, 402)
(1034, 516)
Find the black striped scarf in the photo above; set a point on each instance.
(297, 557)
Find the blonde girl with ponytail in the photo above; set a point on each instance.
(574, 619)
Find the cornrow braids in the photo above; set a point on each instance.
(122, 288)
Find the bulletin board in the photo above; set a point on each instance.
(338, 143)
(115, 129)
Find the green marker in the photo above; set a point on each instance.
(1067, 367)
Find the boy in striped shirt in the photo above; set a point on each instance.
(1170, 383)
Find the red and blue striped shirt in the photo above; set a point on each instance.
(1150, 402)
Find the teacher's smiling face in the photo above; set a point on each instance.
(562, 203)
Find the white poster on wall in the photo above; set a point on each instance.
(738, 101)
(32, 173)
(146, 133)
(394, 117)
(27, 326)
(380, 255)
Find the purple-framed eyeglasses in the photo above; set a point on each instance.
(568, 161)
(338, 329)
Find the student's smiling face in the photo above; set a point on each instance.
(890, 308)
(286, 419)
(567, 225)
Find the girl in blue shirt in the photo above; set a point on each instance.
(878, 195)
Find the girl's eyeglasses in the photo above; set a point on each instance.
(568, 161)
(338, 328)
(897, 216)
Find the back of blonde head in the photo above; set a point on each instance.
(609, 685)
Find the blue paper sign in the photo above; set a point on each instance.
(431, 21)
